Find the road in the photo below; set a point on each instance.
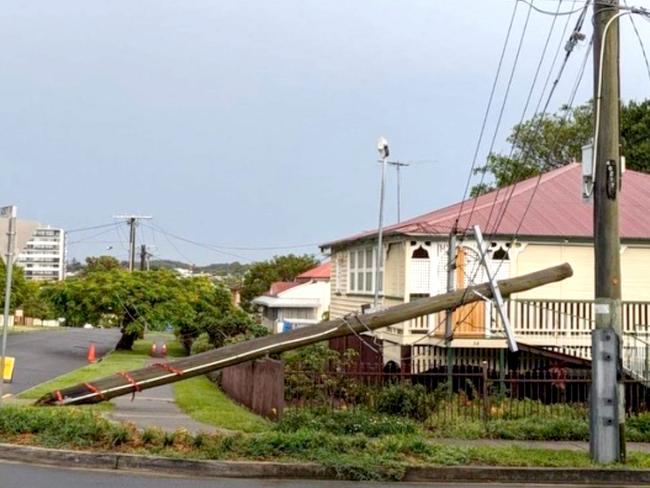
(15, 475)
(41, 356)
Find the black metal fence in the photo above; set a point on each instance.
(472, 393)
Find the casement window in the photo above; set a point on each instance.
(361, 270)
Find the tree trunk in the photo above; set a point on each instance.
(126, 341)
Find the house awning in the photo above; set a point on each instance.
(275, 302)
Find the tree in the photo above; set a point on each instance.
(148, 300)
(101, 263)
(21, 291)
(259, 277)
(545, 142)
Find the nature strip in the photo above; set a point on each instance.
(276, 470)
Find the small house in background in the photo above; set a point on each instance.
(290, 305)
(552, 225)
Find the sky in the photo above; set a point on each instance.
(251, 126)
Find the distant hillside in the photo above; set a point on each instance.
(219, 269)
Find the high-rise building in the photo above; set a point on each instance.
(43, 257)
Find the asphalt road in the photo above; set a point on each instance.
(14, 475)
(41, 356)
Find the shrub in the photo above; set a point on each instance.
(201, 344)
(345, 422)
(405, 400)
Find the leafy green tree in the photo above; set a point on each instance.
(135, 302)
(101, 263)
(21, 291)
(259, 277)
(549, 141)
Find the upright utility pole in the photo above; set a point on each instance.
(132, 221)
(10, 213)
(607, 412)
(144, 258)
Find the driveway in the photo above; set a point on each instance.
(41, 356)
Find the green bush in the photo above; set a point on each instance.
(405, 400)
(345, 422)
(201, 344)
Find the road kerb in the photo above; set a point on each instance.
(274, 470)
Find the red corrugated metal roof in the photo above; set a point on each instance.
(280, 286)
(556, 210)
(321, 272)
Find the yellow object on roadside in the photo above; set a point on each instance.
(8, 373)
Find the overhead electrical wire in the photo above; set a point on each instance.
(94, 227)
(522, 119)
(501, 112)
(570, 48)
(638, 36)
(488, 108)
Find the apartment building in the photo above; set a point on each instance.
(43, 257)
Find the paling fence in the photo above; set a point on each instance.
(472, 393)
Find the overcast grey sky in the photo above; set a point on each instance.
(253, 123)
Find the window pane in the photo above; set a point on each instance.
(352, 287)
(360, 264)
(369, 281)
(352, 260)
(369, 261)
(360, 281)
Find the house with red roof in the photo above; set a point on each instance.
(534, 224)
(289, 305)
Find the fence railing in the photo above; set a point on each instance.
(473, 394)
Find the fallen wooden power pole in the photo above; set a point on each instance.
(133, 381)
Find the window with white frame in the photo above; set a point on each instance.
(361, 270)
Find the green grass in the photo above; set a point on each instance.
(112, 363)
(204, 402)
(21, 329)
(352, 456)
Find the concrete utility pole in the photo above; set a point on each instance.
(132, 221)
(607, 409)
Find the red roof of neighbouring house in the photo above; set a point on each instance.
(280, 286)
(319, 273)
(552, 208)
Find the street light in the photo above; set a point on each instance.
(384, 152)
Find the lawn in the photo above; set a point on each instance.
(204, 402)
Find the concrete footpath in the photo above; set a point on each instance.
(155, 407)
(554, 445)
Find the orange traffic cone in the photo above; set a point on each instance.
(91, 353)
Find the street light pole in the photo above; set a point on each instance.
(9, 212)
(382, 148)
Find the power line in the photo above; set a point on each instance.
(523, 112)
(488, 107)
(503, 106)
(84, 229)
(638, 36)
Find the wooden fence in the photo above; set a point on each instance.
(259, 385)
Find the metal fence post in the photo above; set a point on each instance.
(486, 400)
